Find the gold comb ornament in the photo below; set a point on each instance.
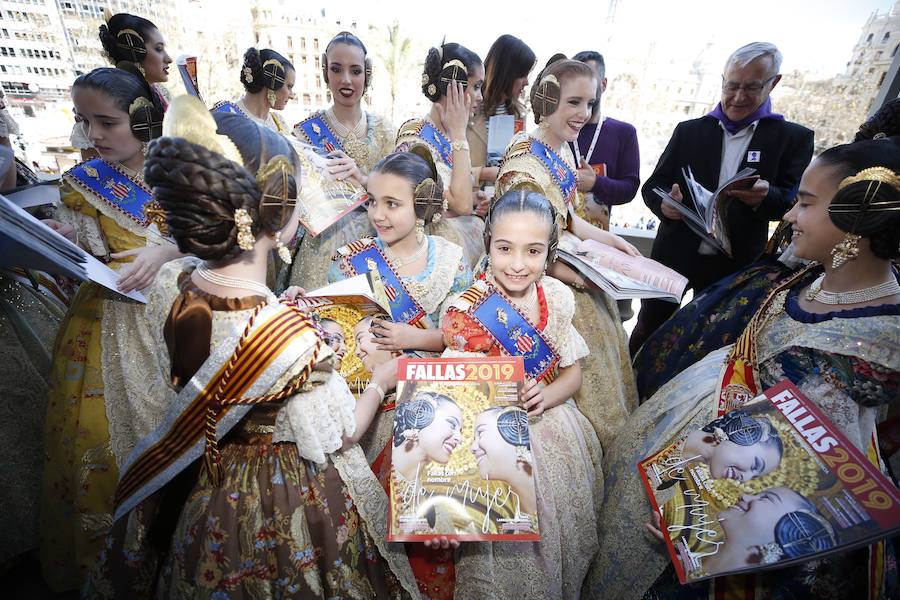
(187, 117)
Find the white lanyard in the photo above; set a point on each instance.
(590, 152)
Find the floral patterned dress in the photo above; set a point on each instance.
(847, 362)
(296, 518)
(568, 481)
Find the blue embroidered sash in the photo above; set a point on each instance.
(438, 141)
(515, 334)
(114, 188)
(319, 134)
(227, 107)
(365, 256)
(559, 171)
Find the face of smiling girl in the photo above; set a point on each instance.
(390, 207)
(520, 242)
(577, 99)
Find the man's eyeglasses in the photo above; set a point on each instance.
(753, 88)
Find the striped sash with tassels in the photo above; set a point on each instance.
(238, 374)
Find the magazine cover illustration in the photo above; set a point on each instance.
(765, 486)
(461, 462)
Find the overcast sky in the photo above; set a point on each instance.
(815, 36)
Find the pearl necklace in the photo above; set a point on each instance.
(399, 263)
(232, 282)
(882, 290)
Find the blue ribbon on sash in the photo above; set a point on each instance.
(404, 309)
(319, 134)
(515, 334)
(114, 187)
(227, 107)
(559, 171)
(438, 141)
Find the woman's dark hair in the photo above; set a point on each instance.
(803, 532)
(745, 430)
(512, 425)
(125, 88)
(200, 190)
(417, 413)
(519, 201)
(859, 207)
(884, 123)
(432, 86)
(119, 43)
(508, 59)
(417, 167)
(255, 78)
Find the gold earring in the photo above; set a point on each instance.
(411, 435)
(420, 230)
(244, 222)
(284, 253)
(523, 455)
(846, 249)
(270, 96)
(544, 124)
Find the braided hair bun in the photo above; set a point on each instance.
(434, 79)
(200, 190)
(884, 123)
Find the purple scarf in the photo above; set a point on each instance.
(763, 112)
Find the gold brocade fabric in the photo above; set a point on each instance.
(829, 361)
(80, 471)
(29, 321)
(312, 256)
(608, 392)
(569, 486)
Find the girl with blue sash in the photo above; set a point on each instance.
(452, 81)
(99, 384)
(542, 160)
(355, 139)
(268, 79)
(833, 330)
(252, 485)
(517, 310)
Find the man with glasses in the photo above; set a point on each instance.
(742, 131)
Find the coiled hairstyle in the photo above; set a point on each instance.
(439, 72)
(264, 70)
(132, 94)
(867, 207)
(123, 37)
(200, 190)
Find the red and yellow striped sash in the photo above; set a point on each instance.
(253, 355)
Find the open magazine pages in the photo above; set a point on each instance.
(708, 217)
(365, 292)
(617, 277)
(461, 460)
(323, 199)
(774, 476)
(28, 243)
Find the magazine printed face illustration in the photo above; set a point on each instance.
(764, 486)
(461, 458)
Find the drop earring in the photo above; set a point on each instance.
(420, 230)
(846, 249)
(270, 96)
(284, 253)
(144, 147)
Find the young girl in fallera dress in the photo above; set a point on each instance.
(100, 391)
(270, 496)
(562, 99)
(516, 310)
